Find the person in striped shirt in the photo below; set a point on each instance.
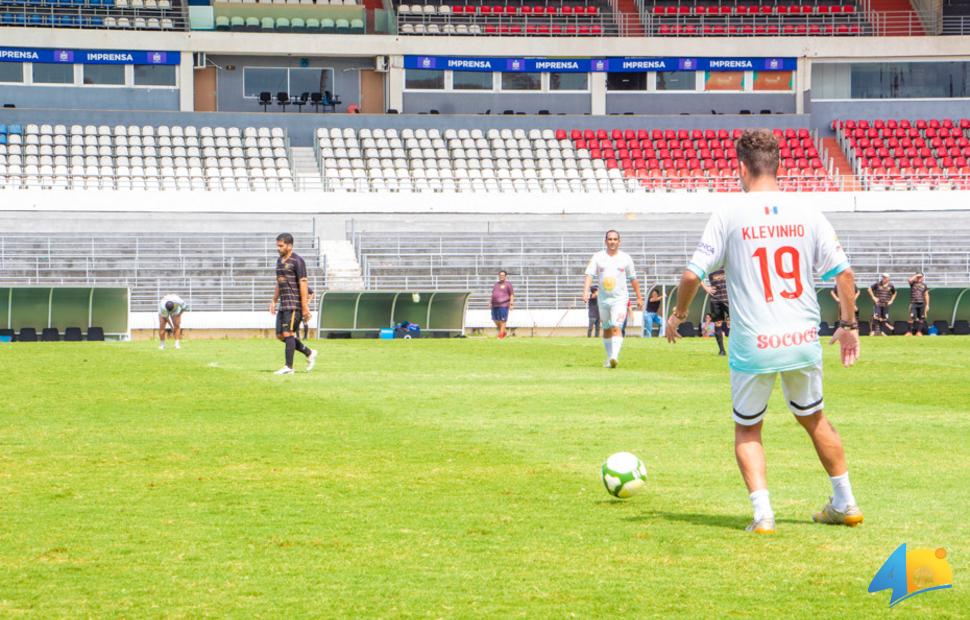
(883, 294)
(919, 304)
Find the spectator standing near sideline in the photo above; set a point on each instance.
(170, 310)
(883, 294)
(919, 304)
(717, 289)
(835, 295)
(503, 298)
(593, 312)
(707, 327)
(651, 315)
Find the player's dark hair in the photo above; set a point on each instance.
(612, 231)
(170, 305)
(502, 271)
(758, 149)
(286, 238)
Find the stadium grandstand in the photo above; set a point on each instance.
(428, 144)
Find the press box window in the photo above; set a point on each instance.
(568, 81)
(676, 80)
(104, 75)
(154, 75)
(471, 80)
(521, 81)
(11, 72)
(424, 79)
(310, 81)
(53, 73)
(257, 80)
(626, 81)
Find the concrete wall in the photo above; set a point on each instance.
(229, 83)
(96, 98)
(478, 102)
(698, 103)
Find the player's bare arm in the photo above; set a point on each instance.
(276, 298)
(587, 282)
(926, 298)
(847, 334)
(636, 289)
(686, 290)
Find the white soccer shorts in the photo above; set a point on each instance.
(749, 393)
(612, 312)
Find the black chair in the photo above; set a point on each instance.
(941, 327)
(9, 333)
(265, 99)
(27, 334)
(50, 334)
(686, 329)
(392, 111)
(543, 112)
(863, 328)
(73, 334)
(766, 111)
(825, 329)
(301, 100)
(900, 328)
(961, 328)
(283, 99)
(509, 112)
(330, 101)
(95, 334)
(317, 100)
(745, 112)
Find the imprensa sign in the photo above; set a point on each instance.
(88, 57)
(591, 65)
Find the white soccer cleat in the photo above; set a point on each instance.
(829, 515)
(161, 347)
(613, 362)
(765, 525)
(311, 360)
(285, 370)
(606, 364)
(178, 345)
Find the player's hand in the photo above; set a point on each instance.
(640, 304)
(306, 314)
(272, 307)
(585, 297)
(848, 340)
(672, 324)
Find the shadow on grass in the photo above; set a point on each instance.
(730, 522)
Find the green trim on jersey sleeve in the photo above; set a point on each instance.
(831, 273)
(700, 273)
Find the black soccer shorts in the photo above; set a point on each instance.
(719, 311)
(288, 321)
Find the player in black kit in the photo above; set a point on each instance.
(292, 294)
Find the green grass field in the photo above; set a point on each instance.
(460, 479)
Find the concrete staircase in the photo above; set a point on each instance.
(841, 165)
(895, 18)
(306, 169)
(630, 24)
(343, 270)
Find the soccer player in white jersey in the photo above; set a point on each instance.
(170, 310)
(771, 248)
(613, 270)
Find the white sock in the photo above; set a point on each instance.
(608, 345)
(162, 346)
(617, 343)
(842, 492)
(761, 505)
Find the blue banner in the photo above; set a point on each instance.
(88, 57)
(587, 65)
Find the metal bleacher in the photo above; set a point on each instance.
(230, 272)
(546, 268)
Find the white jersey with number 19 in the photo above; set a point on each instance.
(771, 249)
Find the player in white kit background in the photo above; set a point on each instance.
(614, 273)
(771, 248)
(170, 310)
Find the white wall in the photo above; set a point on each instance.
(315, 202)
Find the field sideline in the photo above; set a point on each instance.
(460, 479)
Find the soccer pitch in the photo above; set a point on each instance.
(447, 478)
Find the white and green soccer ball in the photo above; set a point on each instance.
(624, 475)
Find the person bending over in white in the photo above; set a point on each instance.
(170, 310)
